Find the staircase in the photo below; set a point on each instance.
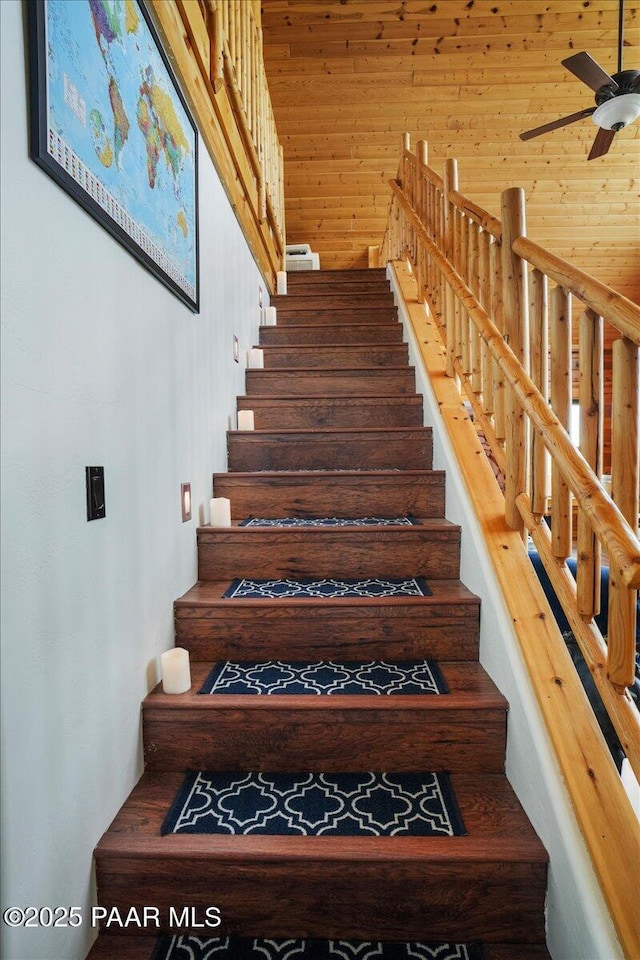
(338, 434)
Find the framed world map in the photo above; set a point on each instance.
(110, 125)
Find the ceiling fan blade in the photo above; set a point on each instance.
(586, 69)
(601, 144)
(555, 124)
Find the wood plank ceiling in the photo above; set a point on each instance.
(347, 77)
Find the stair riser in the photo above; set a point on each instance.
(386, 495)
(263, 553)
(302, 358)
(273, 414)
(390, 900)
(333, 276)
(335, 316)
(280, 739)
(333, 301)
(327, 287)
(253, 451)
(246, 631)
(349, 333)
(327, 383)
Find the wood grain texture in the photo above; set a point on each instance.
(341, 494)
(430, 550)
(331, 333)
(348, 79)
(271, 413)
(444, 625)
(488, 884)
(602, 808)
(303, 357)
(463, 731)
(331, 383)
(400, 448)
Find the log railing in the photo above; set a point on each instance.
(217, 49)
(504, 308)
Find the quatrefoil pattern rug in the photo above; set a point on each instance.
(329, 522)
(327, 588)
(316, 804)
(326, 677)
(186, 947)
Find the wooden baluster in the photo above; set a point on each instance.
(423, 161)
(484, 292)
(499, 391)
(591, 422)
(539, 349)
(224, 11)
(429, 274)
(216, 43)
(474, 285)
(464, 264)
(245, 11)
(458, 224)
(624, 489)
(560, 340)
(450, 183)
(516, 326)
(237, 58)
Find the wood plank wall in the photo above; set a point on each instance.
(347, 77)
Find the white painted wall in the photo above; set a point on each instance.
(578, 924)
(101, 365)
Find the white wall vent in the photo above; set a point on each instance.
(298, 256)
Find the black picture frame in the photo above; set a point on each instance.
(61, 163)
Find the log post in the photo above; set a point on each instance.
(450, 183)
(539, 358)
(560, 395)
(516, 332)
(496, 313)
(591, 421)
(484, 267)
(624, 489)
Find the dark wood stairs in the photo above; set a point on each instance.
(339, 433)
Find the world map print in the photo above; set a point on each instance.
(118, 127)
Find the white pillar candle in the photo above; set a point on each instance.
(281, 282)
(256, 357)
(246, 420)
(271, 317)
(220, 512)
(176, 673)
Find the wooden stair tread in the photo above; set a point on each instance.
(110, 946)
(498, 830)
(291, 433)
(208, 593)
(470, 689)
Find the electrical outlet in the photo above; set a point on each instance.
(94, 479)
(236, 349)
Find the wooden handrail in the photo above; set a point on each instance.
(217, 49)
(474, 272)
(619, 311)
(609, 524)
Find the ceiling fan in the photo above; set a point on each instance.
(617, 97)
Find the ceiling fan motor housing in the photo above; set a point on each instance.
(628, 81)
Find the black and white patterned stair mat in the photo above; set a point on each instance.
(316, 804)
(326, 677)
(407, 521)
(328, 588)
(186, 947)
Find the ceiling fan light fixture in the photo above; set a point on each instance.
(618, 112)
